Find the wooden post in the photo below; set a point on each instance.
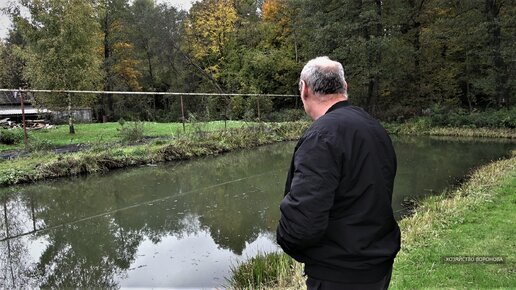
(258, 106)
(22, 102)
(228, 103)
(70, 119)
(183, 114)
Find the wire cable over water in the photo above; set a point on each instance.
(149, 202)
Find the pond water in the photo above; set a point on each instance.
(184, 224)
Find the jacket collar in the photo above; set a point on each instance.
(338, 105)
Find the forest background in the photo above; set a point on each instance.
(403, 58)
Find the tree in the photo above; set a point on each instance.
(404, 90)
(62, 50)
(11, 65)
(466, 52)
(120, 65)
(351, 32)
(208, 31)
(156, 31)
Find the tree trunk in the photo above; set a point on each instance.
(415, 25)
(492, 10)
(374, 61)
(107, 100)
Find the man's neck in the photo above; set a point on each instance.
(323, 106)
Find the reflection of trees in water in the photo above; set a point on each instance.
(427, 165)
(14, 263)
(97, 223)
(89, 256)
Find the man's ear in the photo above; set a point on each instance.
(303, 89)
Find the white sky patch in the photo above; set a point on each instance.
(179, 4)
(5, 22)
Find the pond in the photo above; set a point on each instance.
(184, 224)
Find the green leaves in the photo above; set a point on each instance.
(400, 56)
(62, 49)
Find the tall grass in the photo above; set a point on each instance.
(266, 271)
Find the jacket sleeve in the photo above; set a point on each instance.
(306, 208)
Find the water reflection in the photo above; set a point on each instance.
(428, 165)
(95, 226)
(180, 224)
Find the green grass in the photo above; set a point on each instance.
(478, 220)
(273, 270)
(101, 133)
(423, 127)
(41, 165)
(486, 231)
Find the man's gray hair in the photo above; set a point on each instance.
(324, 76)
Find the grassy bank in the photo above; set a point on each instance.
(107, 149)
(102, 133)
(105, 133)
(422, 127)
(475, 219)
(105, 157)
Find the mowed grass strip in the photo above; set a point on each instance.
(41, 165)
(476, 221)
(101, 133)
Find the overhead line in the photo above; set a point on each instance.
(145, 93)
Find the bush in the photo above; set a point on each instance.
(504, 118)
(237, 107)
(132, 132)
(287, 115)
(265, 105)
(40, 145)
(11, 137)
(397, 113)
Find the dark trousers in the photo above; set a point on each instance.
(383, 284)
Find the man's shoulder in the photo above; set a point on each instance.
(346, 118)
(348, 122)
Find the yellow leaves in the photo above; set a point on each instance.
(117, 26)
(279, 13)
(209, 27)
(125, 66)
(126, 70)
(443, 12)
(214, 70)
(121, 46)
(275, 11)
(270, 9)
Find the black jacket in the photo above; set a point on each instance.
(336, 216)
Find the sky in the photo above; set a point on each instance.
(5, 23)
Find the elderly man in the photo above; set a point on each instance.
(336, 216)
